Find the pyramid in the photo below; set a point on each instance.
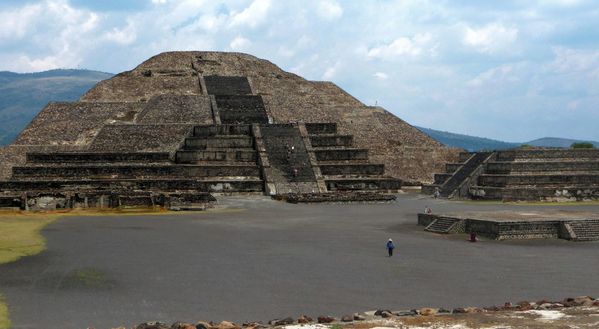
(213, 122)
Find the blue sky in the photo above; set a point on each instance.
(510, 70)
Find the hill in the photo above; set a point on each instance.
(557, 142)
(472, 143)
(23, 96)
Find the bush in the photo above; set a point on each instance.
(582, 145)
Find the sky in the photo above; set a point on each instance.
(503, 69)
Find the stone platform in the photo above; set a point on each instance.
(506, 225)
(521, 175)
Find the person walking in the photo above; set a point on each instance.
(390, 247)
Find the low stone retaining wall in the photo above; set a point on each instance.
(335, 197)
(416, 318)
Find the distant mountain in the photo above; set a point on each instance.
(22, 96)
(557, 142)
(470, 143)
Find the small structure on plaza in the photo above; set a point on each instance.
(184, 125)
(509, 225)
(521, 175)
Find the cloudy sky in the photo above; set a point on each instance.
(510, 70)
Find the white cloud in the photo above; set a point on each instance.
(253, 15)
(240, 43)
(381, 76)
(495, 76)
(159, 2)
(329, 9)
(123, 36)
(403, 46)
(15, 24)
(491, 38)
(331, 71)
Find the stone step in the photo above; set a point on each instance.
(369, 183)
(131, 171)
(512, 155)
(227, 85)
(240, 109)
(218, 142)
(228, 155)
(91, 157)
(538, 166)
(321, 128)
(536, 193)
(340, 154)
(441, 225)
(585, 230)
(226, 129)
(225, 185)
(452, 183)
(326, 140)
(511, 180)
(352, 169)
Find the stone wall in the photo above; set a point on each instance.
(74, 123)
(177, 109)
(138, 138)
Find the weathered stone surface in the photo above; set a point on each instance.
(227, 325)
(152, 325)
(427, 311)
(347, 318)
(304, 319)
(182, 325)
(281, 322)
(325, 319)
(406, 152)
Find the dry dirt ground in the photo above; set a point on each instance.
(255, 259)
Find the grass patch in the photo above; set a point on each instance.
(20, 235)
(4, 319)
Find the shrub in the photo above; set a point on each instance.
(582, 145)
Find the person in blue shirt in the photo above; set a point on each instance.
(390, 247)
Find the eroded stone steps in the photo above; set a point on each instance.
(90, 157)
(340, 154)
(216, 155)
(218, 142)
(189, 171)
(530, 155)
(441, 225)
(510, 180)
(367, 184)
(321, 128)
(538, 166)
(220, 130)
(585, 230)
(170, 184)
(536, 193)
(328, 140)
(352, 169)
